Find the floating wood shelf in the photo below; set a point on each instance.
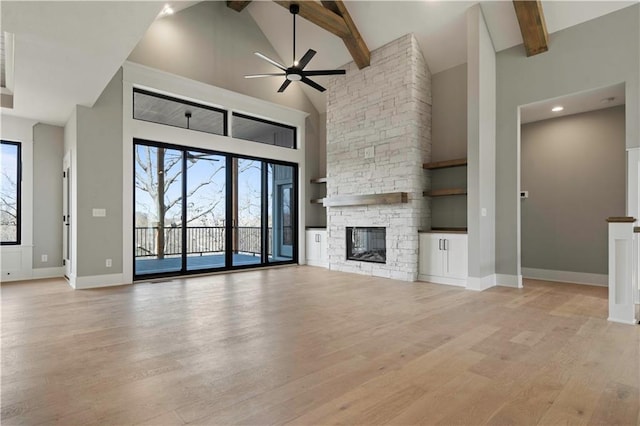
(453, 230)
(445, 164)
(319, 180)
(445, 192)
(621, 219)
(366, 200)
(317, 201)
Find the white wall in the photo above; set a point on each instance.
(481, 149)
(17, 261)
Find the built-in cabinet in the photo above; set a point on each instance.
(443, 258)
(317, 247)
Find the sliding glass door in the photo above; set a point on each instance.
(205, 210)
(158, 210)
(198, 211)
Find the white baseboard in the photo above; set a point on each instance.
(505, 280)
(321, 264)
(481, 284)
(443, 280)
(56, 272)
(97, 281)
(601, 280)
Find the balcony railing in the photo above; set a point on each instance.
(203, 240)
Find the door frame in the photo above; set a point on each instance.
(228, 206)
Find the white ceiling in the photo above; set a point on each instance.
(574, 103)
(439, 27)
(66, 52)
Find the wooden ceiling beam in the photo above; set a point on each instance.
(322, 17)
(354, 41)
(532, 26)
(332, 16)
(238, 5)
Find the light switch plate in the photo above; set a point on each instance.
(99, 212)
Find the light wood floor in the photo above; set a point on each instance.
(304, 345)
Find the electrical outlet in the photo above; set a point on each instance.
(483, 211)
(108, 263)
(44, 258)
(369, 152)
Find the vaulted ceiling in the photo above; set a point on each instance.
(67, 51)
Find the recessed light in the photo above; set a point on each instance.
(557, 108)
(167, 10)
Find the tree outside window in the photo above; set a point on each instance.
(10, 162)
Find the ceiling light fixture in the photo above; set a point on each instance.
(557, 108)
(167, 10)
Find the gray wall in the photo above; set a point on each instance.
(449, 141)
(211, 43)
(449, 120)
(574, 170)
(48, 149)
(597, 53)
(99, 182)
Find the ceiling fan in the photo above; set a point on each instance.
(296, 71)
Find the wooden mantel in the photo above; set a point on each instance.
(366, 199)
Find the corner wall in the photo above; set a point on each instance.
(481, 151)
(597, 53)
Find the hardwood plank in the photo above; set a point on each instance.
(306, 345)
(445, 164)
(532, 26)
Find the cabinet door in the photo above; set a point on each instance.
(313, 247)
(455, 256)
(430, 262)
(322, 247)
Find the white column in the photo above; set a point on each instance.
(622, 277)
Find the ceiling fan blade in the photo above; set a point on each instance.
(313, 84)
(278, 74)
(324, 72)
(271, 61)
(306, 58)
(284, 86)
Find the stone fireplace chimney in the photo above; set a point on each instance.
(378, 137)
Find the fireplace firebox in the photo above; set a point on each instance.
(367, 244)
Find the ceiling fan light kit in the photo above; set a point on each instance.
(295, 72)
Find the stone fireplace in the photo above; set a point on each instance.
(378, 137)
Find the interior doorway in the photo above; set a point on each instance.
(572, 177)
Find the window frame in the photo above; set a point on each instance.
(262, 120)
(18, 239)
(225, 113)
